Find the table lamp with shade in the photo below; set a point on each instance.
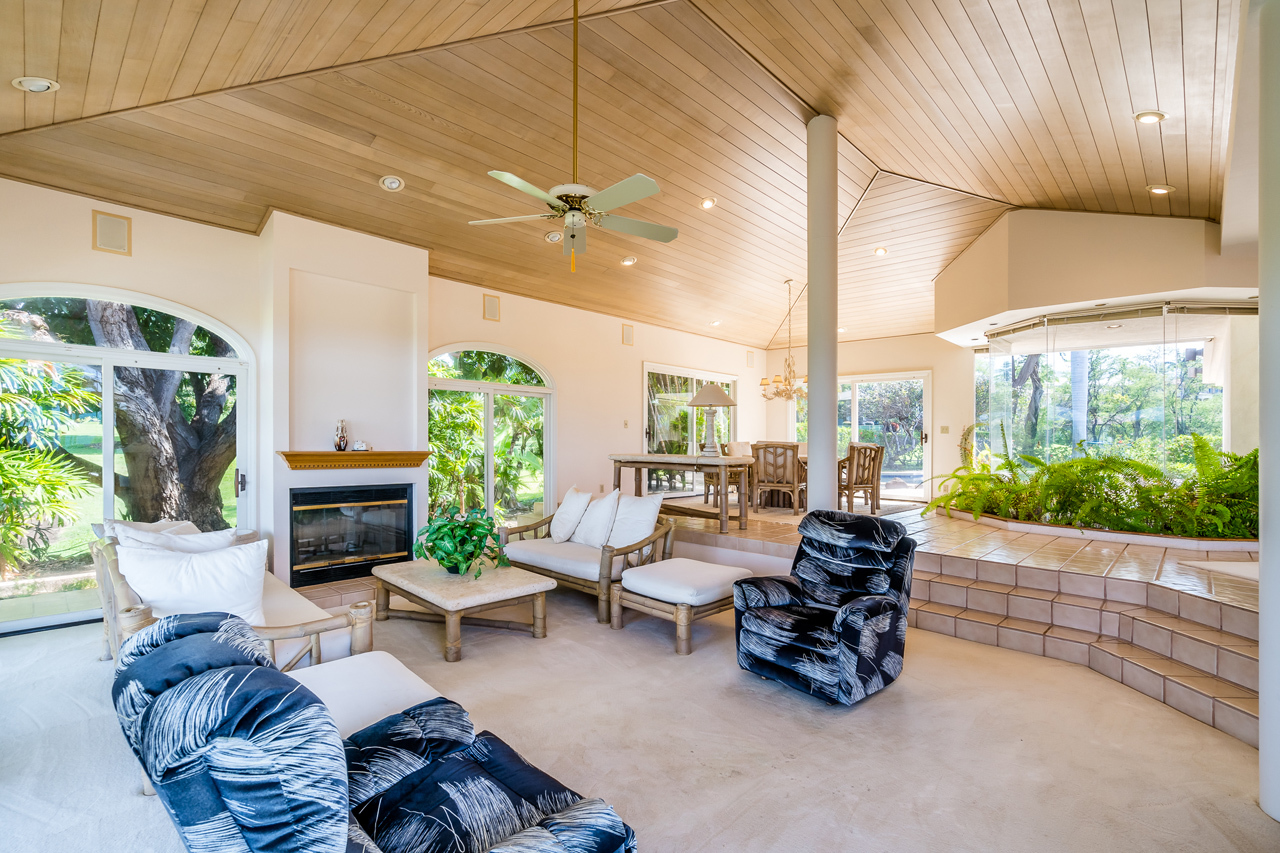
(712, 397)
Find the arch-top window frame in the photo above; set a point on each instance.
(547, 391)
(243, 367)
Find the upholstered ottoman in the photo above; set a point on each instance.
(679, 590)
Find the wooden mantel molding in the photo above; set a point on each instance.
(311, 460)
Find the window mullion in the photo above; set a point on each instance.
(488, 453)
(108, 407)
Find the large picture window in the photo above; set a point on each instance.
(107, 410)
(671, 426)
(489, 415)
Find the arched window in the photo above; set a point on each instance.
(489, 429)
(109, 410)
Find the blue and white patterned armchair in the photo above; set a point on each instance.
(837, 626)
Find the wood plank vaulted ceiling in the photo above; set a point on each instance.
(950, 113)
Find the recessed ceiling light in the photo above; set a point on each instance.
(628, 261)
(36, 85)
(1149, 117)
(839, 330)
(714, 323)
(881, 250)
(991, 324)
(1116, 326)
(1160, 189)
(708, 203)
(553, 236)
(391, 183)
(1100, 305)
(973, 339)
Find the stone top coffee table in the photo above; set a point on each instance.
(448, 597)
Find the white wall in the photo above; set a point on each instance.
(951, 370)
(599, 382)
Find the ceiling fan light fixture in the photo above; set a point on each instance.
(881, 250)
(1150, 117)
(36, 85)
(553, 236)
(708, 203)
(1160, 189)
(391, 183)
(628, 261)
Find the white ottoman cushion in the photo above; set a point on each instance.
(683, 581)
(363, 689)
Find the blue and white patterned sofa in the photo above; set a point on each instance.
(245, 758)
(837, 626)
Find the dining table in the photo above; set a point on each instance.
(723, 465)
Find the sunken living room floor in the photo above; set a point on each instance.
(973, 748)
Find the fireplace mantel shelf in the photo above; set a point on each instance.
(311, 460)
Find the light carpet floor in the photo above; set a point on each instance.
(973, 748)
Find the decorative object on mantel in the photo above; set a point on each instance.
(360, 445)
(340, 437)
(784, 385)
(460, 542)
(711, 396)
(309, 460)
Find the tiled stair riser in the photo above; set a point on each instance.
(1173, 646)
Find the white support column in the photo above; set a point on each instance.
(1269, 411)
(822, 368)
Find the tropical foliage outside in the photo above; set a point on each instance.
(456, 436)
(890, 414)
(1219, 500)
(1139, 402)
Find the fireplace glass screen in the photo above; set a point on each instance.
(343, 533)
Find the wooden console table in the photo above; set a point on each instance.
(723, 465)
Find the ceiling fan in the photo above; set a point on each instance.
(578, 204)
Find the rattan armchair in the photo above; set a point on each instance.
(124, 614)
(859, 473)
(647, 550)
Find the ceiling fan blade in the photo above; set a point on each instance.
(623, 192)
(512, 219)
(526, 187)
(575, 240)
(639, 228)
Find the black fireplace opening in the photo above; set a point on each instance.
(342, 532)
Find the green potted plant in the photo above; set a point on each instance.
(459, 541)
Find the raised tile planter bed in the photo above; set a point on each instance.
(1068, 531)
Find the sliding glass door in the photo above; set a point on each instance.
(892, 411)
(107, 410)
(489, 419)
(672, 427)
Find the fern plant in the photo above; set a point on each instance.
(1113, 493)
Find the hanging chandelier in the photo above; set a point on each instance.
(784, 385)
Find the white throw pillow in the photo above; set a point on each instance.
(597, 521)
(113, 526)
(567, 517)
(636, 518)
(187, 543)
(228, 580)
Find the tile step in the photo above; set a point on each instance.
(1213, 700)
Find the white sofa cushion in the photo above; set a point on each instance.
(566, 519)
(569, 558)
(176, 540)
(636, 518)
(284, 606)
(683, 581)
(738, 448)
(361, 690)
(597, 521)
(113, 526)
(229, 580)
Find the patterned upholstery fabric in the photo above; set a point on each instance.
(422, 781)
(247, 760)
(837, 626)
(243, 757)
